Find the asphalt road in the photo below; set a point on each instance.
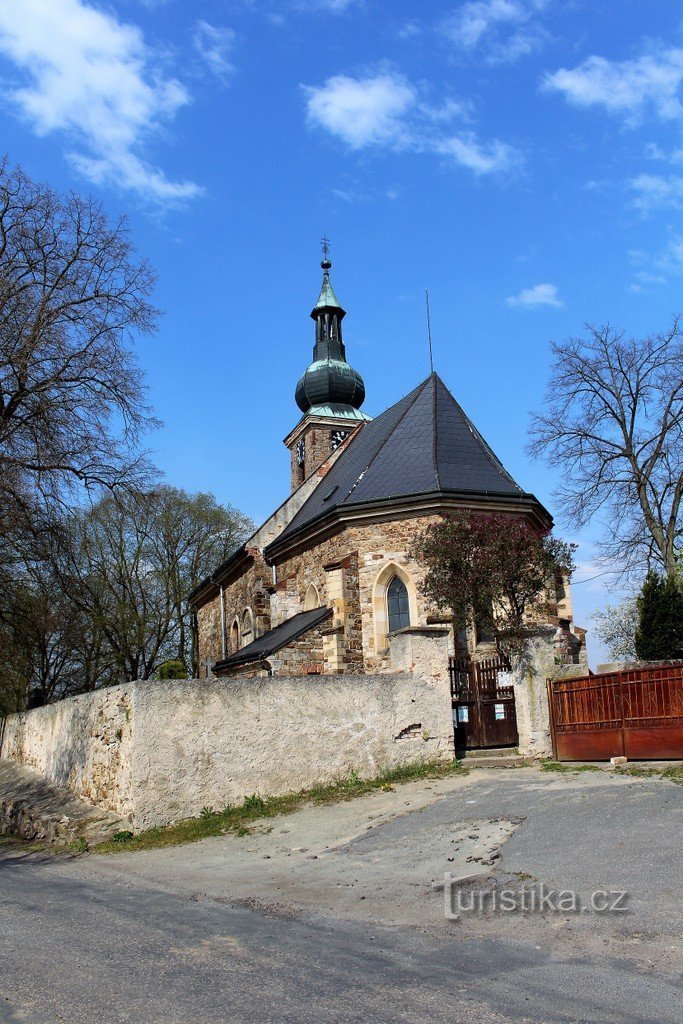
(127, 940)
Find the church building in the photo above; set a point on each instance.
(322, 585)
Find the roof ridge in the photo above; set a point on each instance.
(435, 420)
(486, 448)
(418, 391)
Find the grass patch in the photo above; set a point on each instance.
(237, 819)
(549, 765)
(673, 774)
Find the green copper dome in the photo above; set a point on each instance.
(329, 380)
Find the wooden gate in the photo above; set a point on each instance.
(483, 709)
(637, 713)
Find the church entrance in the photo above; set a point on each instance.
(483, 708)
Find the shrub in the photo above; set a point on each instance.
(659, 636)
(172, 669)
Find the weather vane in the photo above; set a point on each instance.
(325, 245)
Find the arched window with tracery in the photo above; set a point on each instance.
(398, 605)
(394, 603)
(247, 627)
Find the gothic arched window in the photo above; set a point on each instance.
(247, 627)
(235, 636)
(398, 606)
(312, 599)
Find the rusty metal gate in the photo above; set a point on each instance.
(483, 708)
(637, 713)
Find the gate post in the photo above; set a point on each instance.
(529, 674)
(551, 710)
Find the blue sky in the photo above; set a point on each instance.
(522, 159)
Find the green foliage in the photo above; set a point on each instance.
(172, 669)
(122, 837)
(254, 803)
(236, 819)
(101, 599)
(207, 812)
(659, 636)
(548, 765)
(492, 569)
(674, 773)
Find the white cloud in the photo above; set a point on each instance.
(539, 295)
(387, 110)
(362, 111)
(625, 87)
(652, 270)
(410, 29)
(92, 77)
(653, 191)
(333, 6)
(480, 158)
(337, 6)
(474, 20)
(214, 45)
(505, 27)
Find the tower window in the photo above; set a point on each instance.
(397, 605)
(337, 437)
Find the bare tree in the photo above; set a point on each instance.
(128, 564)
(613, 424)
(49, 647)
(192, 535)
(72, 296)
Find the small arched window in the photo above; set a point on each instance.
(312, 599)
(235, 636)
(247, 627)
(398, 606)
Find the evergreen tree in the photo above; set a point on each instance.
(660, 627)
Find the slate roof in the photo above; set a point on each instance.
(424, 444)
(275, 639)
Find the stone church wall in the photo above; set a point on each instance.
(250, 591)
(370, 547)
(155, 752)
(344, 568)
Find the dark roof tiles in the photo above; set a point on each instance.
(424, 444)
(275, 639)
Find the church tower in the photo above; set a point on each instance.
(330, 392)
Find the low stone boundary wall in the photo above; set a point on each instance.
(31, 807)
(155, 752)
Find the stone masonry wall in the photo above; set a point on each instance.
(84, 744)
(250, 591)
(370, 547)
(364, 551)
(157, 752)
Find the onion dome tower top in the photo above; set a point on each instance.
(330, 387)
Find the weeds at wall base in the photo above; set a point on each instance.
(561, 767)
(674, 773)
(237, 819)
